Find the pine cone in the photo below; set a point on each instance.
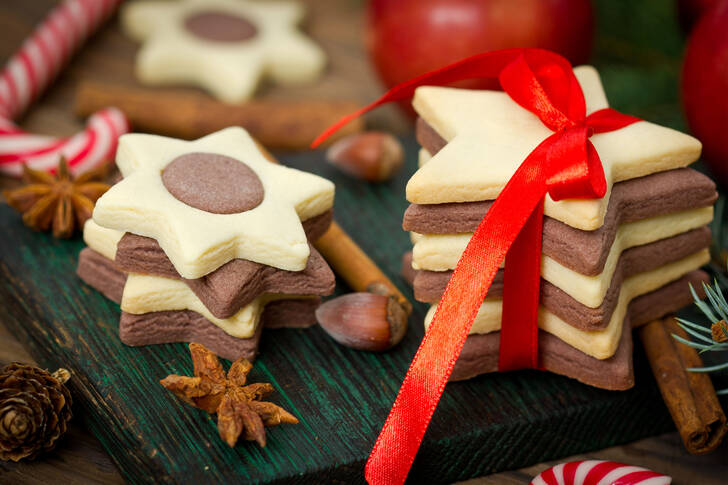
(35, 408)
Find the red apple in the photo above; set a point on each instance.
(689, 11)
(408, 37)
(705, 87)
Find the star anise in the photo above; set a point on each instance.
(61, 202)
(239, 408)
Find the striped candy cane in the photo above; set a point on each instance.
(598, 472)
(29, 72)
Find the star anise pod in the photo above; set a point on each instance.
(58, 201)
(239, 407)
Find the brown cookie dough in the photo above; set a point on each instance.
(185, 326)
(101, 274)
(430, 285)
(480, 353)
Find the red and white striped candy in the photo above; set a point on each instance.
(30, 71)
(598, 472)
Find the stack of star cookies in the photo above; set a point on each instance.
(208, 241)
(607, 264)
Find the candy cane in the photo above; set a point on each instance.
(29, 72)
(598, 472)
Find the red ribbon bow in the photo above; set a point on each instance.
(566, 166)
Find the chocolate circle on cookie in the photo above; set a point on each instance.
(220, 26)
(213, 183)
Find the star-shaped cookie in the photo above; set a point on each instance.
(212, 200)
(223, 46)
(489, 135)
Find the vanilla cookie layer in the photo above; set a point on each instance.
(441, 252)
(489, 135)
(101, 239)
(146, 294)
(600, 344)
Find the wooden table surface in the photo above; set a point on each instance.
(338, 26)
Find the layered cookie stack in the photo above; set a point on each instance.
(607, 264)
(208, 241)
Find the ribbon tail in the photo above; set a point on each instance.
(433, 363)
(518, 347)
(486, 65)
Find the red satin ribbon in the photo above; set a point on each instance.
(566, 166)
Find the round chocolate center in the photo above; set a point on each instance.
(213, 183)
(220, 26)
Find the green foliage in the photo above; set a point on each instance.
(715, 309)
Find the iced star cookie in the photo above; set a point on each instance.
(212, 200)
(223, 46)
(208, 241)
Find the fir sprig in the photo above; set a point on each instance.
(715, 306)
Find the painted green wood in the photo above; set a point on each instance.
(341, 396)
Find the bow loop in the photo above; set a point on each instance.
(608, 119)
(546, 88)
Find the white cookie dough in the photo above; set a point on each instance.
(441, 252)
(101, 239)
(198, 242)
(146, 294)
(600, 344)
(230, 71)
(489, 135)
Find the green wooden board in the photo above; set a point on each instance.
(341, 396)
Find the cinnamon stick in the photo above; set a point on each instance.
(288, 125)
(351, 262)
(690, 396)
(357, 269)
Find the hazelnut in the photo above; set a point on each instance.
(364, 321)
(374, 156)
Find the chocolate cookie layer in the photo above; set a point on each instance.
(238, 282)
(583, 251)
(428, 138)
(185, 326)
(480, 352)
(101, 274)
(430, 285)
(292, 313)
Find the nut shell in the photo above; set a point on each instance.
(374, 156)
(364, 321)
